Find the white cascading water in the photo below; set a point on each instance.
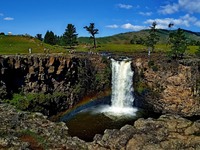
(122, 91)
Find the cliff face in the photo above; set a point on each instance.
(60, 81)
(50, 84)
(168, 87)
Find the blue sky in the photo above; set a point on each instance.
(110, 16)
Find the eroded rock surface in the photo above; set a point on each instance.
(169, 87)
(164, 133)
(25, 130)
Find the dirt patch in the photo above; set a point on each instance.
(34, 145)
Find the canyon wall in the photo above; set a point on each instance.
(50, 84)
(167, 86)
(53, 83)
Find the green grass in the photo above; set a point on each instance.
(21, 44)
(139, 48)
(191, 49)
(121, 48)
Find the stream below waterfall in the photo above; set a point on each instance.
(91, 119)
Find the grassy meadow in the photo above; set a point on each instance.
(13, 44)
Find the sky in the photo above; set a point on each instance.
(109, 16)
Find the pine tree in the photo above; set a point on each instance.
(152, 38)
(39, 37)
(50, 38)
(179, 44)
(91, 29)
(70, 36)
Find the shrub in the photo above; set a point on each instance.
(22, 102)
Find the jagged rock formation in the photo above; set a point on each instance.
(168, 87)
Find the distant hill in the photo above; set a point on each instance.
(125, 38)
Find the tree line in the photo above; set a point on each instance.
(69, 37)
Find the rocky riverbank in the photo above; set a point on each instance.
(25, 130)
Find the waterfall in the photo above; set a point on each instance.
(122, 90)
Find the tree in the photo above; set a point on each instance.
(152, 38)
(91, 29)
(39, 37)
(2, 33)
(50, 38)
(70, 36)
(170, 25)
(178, 42)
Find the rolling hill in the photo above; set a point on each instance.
(125, 38)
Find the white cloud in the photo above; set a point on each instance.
(161, 23)
(8, 18)
(186, 20)
(114, 26)
(124, 6)
(197, 24)
(132, 27)
(169, 9)
(190, 6)
(145, 13)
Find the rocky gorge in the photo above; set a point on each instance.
(54, 83)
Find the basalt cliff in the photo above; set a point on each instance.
(50, 84)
